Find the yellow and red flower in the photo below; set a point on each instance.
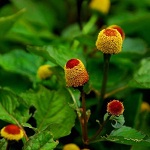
(75, 73)
(110, 40)
(115, 107)
(12, 132)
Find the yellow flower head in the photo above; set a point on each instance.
(71, 146)
(100, 5)
(109, 41)
(75, 73)
(44, 72)
(12, 132)
(115, 107)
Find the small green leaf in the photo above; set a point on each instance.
(106, 116)
(7, 22)
(40, 141)
(12, 107)
(117, 121)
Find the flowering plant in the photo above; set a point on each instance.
(74, 78)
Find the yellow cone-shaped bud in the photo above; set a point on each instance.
(109, 41)
(75, 73)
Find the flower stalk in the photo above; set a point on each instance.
(84, 118)
(104, 80)
(99, 130)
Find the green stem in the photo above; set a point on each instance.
(104, 81)
(7, 146)
(79, 8)
(99, 130)
(84, 119)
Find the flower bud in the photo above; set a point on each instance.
(75, 73)
(44, 72)
(109, 41)
(12, 132)
(100, 5)
(71, 146)
(145, 107)
(115, 107)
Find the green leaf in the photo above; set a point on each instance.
(131, 110)
(58, 55)
(41, 51)
(129, 136)
(134, 47)
(141, 76)
(7, 22)
(117, 121)
(41, 141)
(3, 144)
(40, 14)
(9, 79)
(52, 110)
(23, 65)
(130, 20)
(126, 135)
(12, 107)
(127, 132)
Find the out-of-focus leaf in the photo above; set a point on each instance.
(13, 108)
(58, 55)
(3, 144)
(86, 40)
(9, 79)
(117, 73)
(7, 22)
(144, 124)
(130, 20)
(71, 32)
(134, 46)
(141, 77)
(132, 110)
(18, 61)
(52, 110)
(35, 13)
(41, 141)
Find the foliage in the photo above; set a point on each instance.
(35, 33)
